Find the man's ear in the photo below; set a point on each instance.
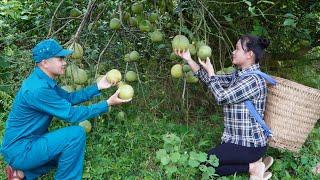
(43, 63)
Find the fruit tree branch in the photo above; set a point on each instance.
(54, 14)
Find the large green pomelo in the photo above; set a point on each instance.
(145, 26)
(127, 57)
(134, 56)
(190, 78)
(131, 76)
(86, 125)
(176, 71)
(126, 92)
(204, 52)
(126, 16)
(153, 17)
(137, 8)
(192, 49)
(173, 56)
(77, 51)
(133, 21)
(70, 69)
(75, 12)
(180, 42)
(114, 76)
(80, 76)
(186, 68)
(115, 24)
(156, 36)
(227, 70)
(199, 44)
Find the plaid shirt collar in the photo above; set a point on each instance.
(253, 67)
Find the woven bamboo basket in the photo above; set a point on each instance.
(292, 110)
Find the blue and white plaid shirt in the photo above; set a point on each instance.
(239, 126)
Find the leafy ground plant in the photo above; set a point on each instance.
(177, 162)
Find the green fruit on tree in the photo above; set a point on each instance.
(114, 76)
(131, 76)
(77, 51)
(121, 115)
(176, 71)
(101, 6)
(80, 76)
(70, 69)
(75, 12)
(173, 56)
(137, 8)
(115, 24)
(153, 17)
(126, 16)
(67, 88)
(199, 44)
(186, 68)
(192, 49)
(190, 78)
(180, 42)
(133, 21)
(204, 52)
(134, 56)
(127, 57)
(156, 36)
(86, 125)
(145, 26)
(227, 70)
(126, 92)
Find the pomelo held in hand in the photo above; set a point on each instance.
(126, 92)
(114, 76)
(204, 52)
(176, 71)
(180, 42)
(86, 125)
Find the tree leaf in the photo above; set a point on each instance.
(289, 22)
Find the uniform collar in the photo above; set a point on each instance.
(253, 67)
(43, 75)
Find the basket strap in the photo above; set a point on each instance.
(252, 109)
(265, 76)
(258, 118)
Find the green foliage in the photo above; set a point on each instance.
(181, 164)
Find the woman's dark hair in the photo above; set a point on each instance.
(255, 44)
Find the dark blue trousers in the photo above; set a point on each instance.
(234, 158)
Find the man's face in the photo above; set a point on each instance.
(55, 66)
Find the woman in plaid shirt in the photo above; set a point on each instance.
(243, 140)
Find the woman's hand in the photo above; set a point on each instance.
(183, 54)
(103, 83)
(115, 100)
(207, 66)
